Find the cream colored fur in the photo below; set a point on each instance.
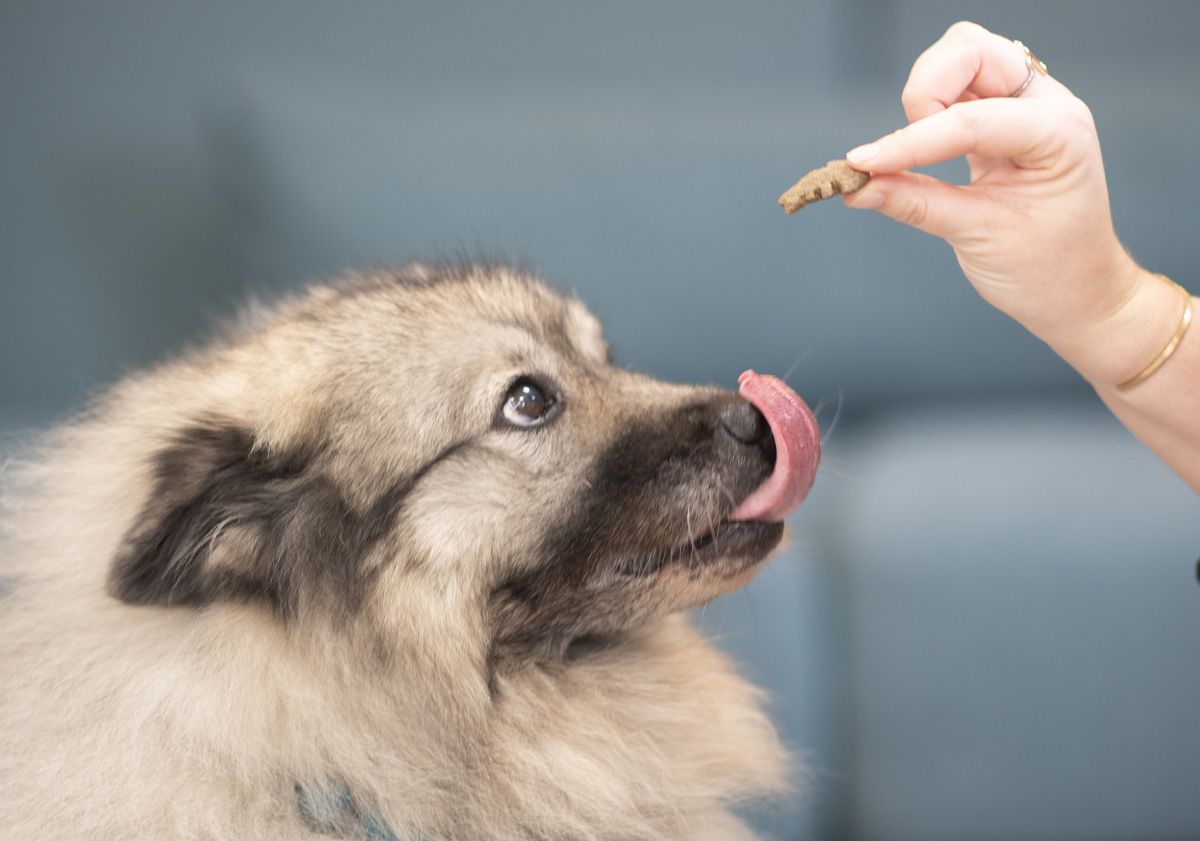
(120, 721)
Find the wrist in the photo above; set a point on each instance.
(1112, 349)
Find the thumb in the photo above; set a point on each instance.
(922, 201)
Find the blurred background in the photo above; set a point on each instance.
(986, 624)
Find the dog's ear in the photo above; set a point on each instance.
(214, 500)
(228, 519)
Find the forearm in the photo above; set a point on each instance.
(1164, 410)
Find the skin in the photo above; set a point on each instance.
(1033, 232)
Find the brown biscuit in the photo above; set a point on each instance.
(833, 178)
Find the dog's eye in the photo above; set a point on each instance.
(526, 404)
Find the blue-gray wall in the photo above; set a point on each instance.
(158, 159)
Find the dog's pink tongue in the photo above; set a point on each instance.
(797, 448)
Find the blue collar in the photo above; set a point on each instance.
(331, 809)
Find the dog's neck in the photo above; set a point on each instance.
(634, 725)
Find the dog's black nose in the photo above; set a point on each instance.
(744, 422)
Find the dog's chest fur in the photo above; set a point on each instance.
(653, 739)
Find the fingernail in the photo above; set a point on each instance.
(863, 155)
(866, 199)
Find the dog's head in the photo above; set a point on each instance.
(461, 434)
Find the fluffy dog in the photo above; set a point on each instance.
(398, 558)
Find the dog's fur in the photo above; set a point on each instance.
(314, 554)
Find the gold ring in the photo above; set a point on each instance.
(1032, 67)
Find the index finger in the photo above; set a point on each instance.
(1029, 132)
(968, 59)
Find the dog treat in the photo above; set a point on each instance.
(824, 183)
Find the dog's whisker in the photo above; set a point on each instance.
(753, 613)
(834, 467)
(712, 527)
(792, 368)
(837, 414)
(691, 536)
(726, 493)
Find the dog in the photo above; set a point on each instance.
(400, 557)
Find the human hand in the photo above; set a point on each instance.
(1032, 231)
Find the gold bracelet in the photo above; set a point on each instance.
(1166, 352)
